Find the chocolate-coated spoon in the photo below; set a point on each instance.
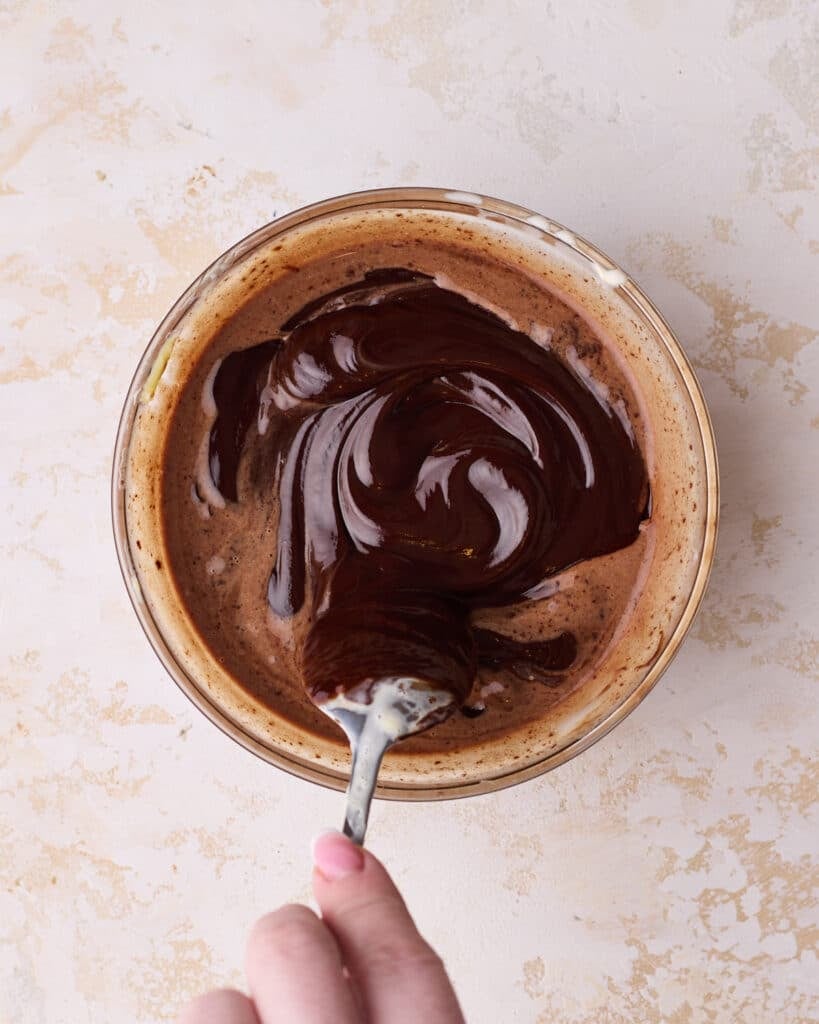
(392, 709)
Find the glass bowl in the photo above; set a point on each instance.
(670, 593)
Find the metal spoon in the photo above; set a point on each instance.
(393, 709)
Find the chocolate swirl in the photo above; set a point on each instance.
(426, 460)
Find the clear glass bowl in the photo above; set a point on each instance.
(622, 309)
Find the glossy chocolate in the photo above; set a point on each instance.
(426, 461)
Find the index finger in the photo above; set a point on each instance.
(400, 977)
(295, 972)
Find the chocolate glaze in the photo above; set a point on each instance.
(426, 461)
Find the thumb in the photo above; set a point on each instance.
(400, 977)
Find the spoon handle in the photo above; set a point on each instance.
(368, 750)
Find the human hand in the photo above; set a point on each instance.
(361, 962)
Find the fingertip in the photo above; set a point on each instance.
(280, 927)
(344, 871)
(335, 856)
(294, 969)
(222, 1006)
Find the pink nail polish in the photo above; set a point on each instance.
(335, 856)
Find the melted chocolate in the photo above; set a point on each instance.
(543, 660)
(473, 710)
(426, 460)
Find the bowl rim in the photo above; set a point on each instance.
(451, 200)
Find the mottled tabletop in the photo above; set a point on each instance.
(665, 875)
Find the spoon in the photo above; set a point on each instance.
(394, 709)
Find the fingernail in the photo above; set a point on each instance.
(335, 856)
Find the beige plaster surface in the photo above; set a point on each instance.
(668, 874)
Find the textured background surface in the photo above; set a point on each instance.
(663, 876)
